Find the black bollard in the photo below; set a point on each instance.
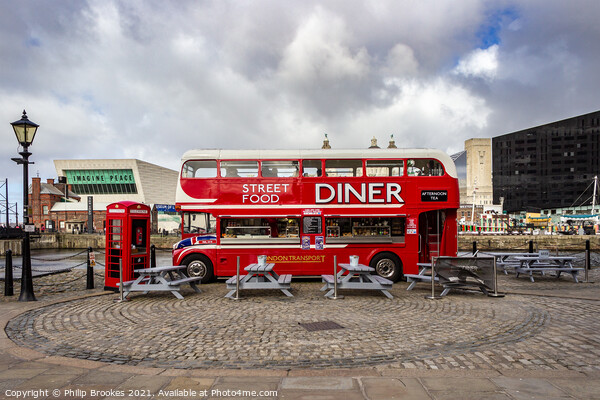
(474, 247)
(531, 246)
(90, 271)
(8, 275)
(152, 256)
(587, 255)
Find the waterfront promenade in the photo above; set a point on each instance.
(485, 242)
(540, 341)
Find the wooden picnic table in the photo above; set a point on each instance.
(506, 260)
(357, 277)
(543, 264)
(260, 276)
(155, 280)
(424, 275)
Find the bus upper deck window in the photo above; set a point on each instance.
(279, 169)
(343, 168)
(424, 167)
(199, 169)
(385, 167)
(311, 168)
(239, 169)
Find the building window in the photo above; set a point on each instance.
(45, 210)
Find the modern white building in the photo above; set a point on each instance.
(115, 180)
(108, 181)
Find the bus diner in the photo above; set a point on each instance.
(302, 207)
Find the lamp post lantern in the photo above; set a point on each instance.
(25, 132)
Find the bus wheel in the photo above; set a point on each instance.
(388, 266)
(199, 266)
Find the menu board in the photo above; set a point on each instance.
(312, 225)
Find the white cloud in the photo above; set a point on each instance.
(426, 113)
(480, 63)
(110, 79)
(320, 54)
(401, 61)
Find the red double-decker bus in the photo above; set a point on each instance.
(391, 207)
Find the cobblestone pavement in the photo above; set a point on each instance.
(551, 324)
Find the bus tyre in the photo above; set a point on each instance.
(388, 266)
(199, 266)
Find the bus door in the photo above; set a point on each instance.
(431, 225)
(312, 241)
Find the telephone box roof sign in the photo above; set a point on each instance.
(128, 205)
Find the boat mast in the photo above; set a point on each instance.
(594, 196)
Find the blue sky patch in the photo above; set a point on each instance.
(33, 42)
(489, 32)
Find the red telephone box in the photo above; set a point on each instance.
(127, 241)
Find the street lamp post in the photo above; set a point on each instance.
(25, 131)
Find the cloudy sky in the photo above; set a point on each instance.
(151, 79)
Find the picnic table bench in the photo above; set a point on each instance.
(422, 276)
(543, 264)
(359, 277)
(506, 260)
(155, 280)
(260, 276)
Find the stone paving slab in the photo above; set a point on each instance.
(318, 383)
(392, 389)
(532, 388)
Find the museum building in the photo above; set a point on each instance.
(85, 187)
